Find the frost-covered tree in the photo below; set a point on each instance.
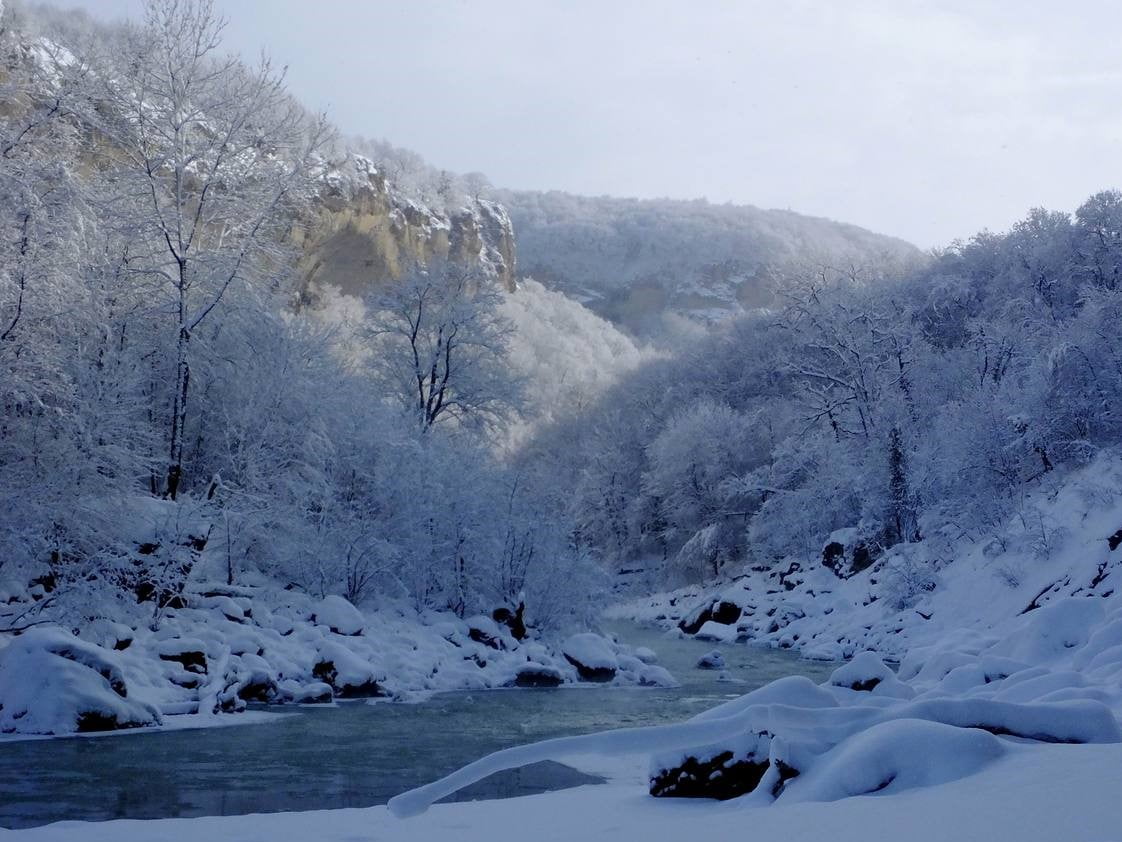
(439, 347)
(202, 159)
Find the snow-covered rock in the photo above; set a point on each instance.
(895, 756)
(53, 683)
(351, 675)
(339, 616)
(538, 675)
(711, 661)
(592, 655)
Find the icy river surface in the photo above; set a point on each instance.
(358, 754)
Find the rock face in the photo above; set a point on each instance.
(361, 231)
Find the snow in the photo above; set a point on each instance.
(232, 645)
(1039, 794)
(866, 729)
(590, 650)
(339, 616)
(717, 632)
(53, 683)
(894, 756)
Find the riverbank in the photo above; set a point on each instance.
(1065, 542)
(222, 647)
(359, 753)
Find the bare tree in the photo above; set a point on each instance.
(440, 347)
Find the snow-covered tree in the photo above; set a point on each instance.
(439, 347)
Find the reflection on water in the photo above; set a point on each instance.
(357, 755)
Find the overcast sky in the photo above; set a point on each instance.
(929, 120)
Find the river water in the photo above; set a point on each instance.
(359, 754)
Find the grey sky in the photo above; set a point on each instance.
(924, 120)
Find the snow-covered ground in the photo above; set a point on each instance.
(1001, 721)
(1065, 792)
(230, 645)
(1060, 544)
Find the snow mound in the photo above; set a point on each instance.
(53, 683)
(895, 756)
(339, 616)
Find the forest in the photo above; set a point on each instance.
(155, 346)
(291, 417)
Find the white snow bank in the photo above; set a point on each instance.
(1033, 794)
(864, 730)
(339, 616)
(53, 683)
(231, 645)
(894, 756)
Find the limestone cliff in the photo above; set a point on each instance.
(362, 232)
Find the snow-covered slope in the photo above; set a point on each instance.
(632, 261)
(1059, 544)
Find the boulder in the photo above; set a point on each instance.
(592, 655)
(339, 616)
(711, 661)
(513, 620)
(314, 693)
(538, 675)
(719, 772)
(486, 631)
(863, 673)
(350, 675)
(189, 652)
(53, 683)
(721, 611)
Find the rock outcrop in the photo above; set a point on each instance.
(362, 231)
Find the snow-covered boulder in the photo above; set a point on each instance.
(487, 631)
(190, 652)
(315, 693)
(867, 673)
(339, 616)
(717, 632)
(593, 656)
(53, 683)
(711, 661)
(720, 611)
(895, 756)
(109, 634)
(348, 673)
(723, 771)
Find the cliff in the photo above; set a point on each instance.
(362, 231)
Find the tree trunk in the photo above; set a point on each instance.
(179, 413)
